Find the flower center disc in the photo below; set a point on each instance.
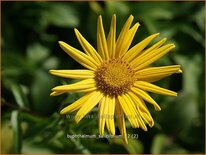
(114, 77)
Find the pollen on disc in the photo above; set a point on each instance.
(114, 77)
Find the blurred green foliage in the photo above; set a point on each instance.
(30, 122)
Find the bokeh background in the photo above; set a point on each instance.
(30, 120)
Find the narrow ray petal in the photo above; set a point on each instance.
(101, 40)
(120, 121)
(128, 110)
(122, 35)
(133, 108)
(153, 88)
(146, 114)
(155, 46)
(146, 97)
(136, 110)
(153, 73)
(102, 113)
(135, 98)
(145, 60)
(88, 105)
(76, 105)
(135, 50)
(111, 40)
(110, 117)
(142, 108)
(141, 122)
(76, 74)
(56, 93)
(89, 49)
(78, 86)
(79, 56)
(128, 39)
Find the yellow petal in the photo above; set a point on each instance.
(120, 121)
(122, 35)
(155, 46)
(146, 114)
(153, 73)
(77, 104)
(128, 39)
(128, 110)
(79, 56)
(145, 60)
(78, 86)
(89, 49)
(102, 114)
(56, 93)
(76, 74)
(88, 105)
(111, 40)
(146, 97)
(153, 88)
(135, 50)
(137, 102)
(142, 108)
(141, 122)
(133, 108)
(110, 114)
(101, 40)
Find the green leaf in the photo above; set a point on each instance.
(34, 148)
(20, 96)
(119, 8)
(41, 87)
(37, 53)
(158, 144)
(199, 37)
(164, 144)
(16, 126)
(134, 146)
(6, 136)
(199, 17)
(95, 6)
(51, 63)
(61, 15)
(14, 65)
(191, 71)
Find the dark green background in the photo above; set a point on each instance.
(30, 117)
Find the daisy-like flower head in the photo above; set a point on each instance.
(117, 77)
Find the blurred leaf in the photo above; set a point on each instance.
(150, 26)
(118, 8)
(191, 71)
(154, 10)
(96, 7)
(184, 106)
(14, 65)
(35, 148)
(36, 125)
(134, 147)
(16, 126)
(40, 92)
(164, 144)
(6, 137)
(193, 33)
(81, 148)
(20, 96)
(199, 17)
(37, 53)
(61, 15)
(158, 144)
(51, 63)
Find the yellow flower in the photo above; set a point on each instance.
(117, 77)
